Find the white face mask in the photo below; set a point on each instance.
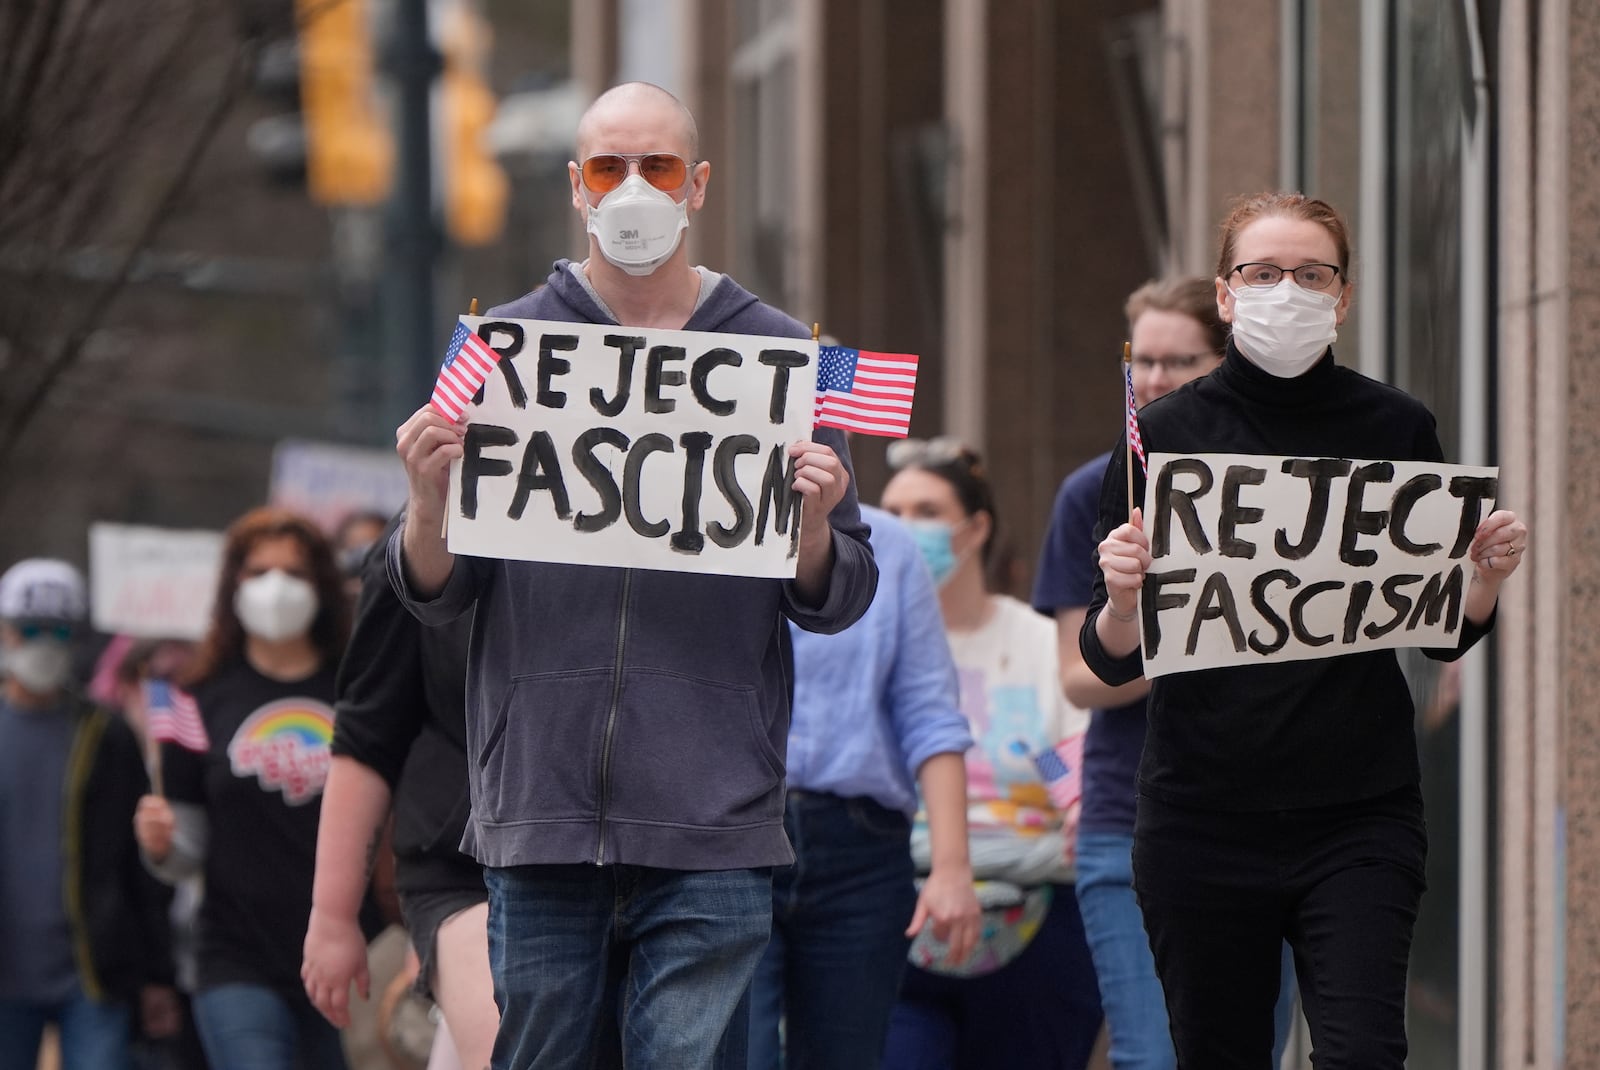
(637, 226)
(275, 605)
(39, 665)
(1284, 329)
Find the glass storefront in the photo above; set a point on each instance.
(1396, 163)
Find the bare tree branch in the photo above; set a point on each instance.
(69, 348)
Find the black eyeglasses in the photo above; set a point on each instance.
(1307, 276)
(1186, 362)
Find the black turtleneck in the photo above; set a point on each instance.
(1291, 734)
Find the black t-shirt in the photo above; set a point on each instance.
(1291, 734)
(260, 784)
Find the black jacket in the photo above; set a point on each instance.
(118, 912)
(401, 691)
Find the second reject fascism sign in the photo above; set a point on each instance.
(1285, 558)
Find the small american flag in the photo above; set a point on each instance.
(467, 363)
(1061, 769)
(866, 392)
(171, 716)
(1134, 438)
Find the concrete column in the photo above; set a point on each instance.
(1575, 581)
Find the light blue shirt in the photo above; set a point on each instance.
(875, 701)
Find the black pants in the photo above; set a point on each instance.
(1219, 891)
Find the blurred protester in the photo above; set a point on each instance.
(140, 678)
(353, 540)
(244, 809)
(875, 716)
(400, 738)
(1280, 801)
(83, 933)
(1028, 997)
(1176, 336)
(637, 919)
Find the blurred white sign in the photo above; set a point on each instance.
(152, 583)
(327, 482)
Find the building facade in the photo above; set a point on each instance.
(983, 181)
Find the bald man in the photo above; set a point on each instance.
(626, 728)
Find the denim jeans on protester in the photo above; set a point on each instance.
(600, 966)
(1136, 1011)
(1042, 1009)
(94, 1036)
(256, 1027)
(1221, 891)
(838, 950)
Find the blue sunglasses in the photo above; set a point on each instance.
(33, 629)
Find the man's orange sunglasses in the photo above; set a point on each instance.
(605, 171)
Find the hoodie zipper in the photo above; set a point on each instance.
(611, 719)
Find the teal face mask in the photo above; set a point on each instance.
(934, 541)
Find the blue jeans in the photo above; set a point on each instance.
(256, 1027)
(838, 950)
(1041, 1009)
(600, 966)
(94, 1036)
(1136, 1012)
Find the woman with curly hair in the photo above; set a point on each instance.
(243, 797)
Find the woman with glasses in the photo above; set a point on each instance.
(1280, 801)
(1027, 997)
(1177, 336)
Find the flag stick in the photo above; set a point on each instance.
(152, 761)
(1127, 432)
(816, 332)
(444, 527)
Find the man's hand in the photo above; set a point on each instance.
(335, 956)
(154, 826)
(427, 443)
(948, 901)
(820, 478)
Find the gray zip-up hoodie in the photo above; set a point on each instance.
(632, 716)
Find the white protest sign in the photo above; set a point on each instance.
(1259, 559)
(326, 481)
(153, 583)
(655, 449)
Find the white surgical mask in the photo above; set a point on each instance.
(39, 665)
(275, 605)
(1284, 329)
(637, 226)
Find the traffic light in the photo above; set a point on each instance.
(475, 187)
(349, 147)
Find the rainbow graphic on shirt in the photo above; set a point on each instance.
(285, 746)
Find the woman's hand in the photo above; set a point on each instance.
(154, 826)
(1124, 560)
(949, 903)
(1498, 546)
(335, 958)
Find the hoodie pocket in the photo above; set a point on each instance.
(689, 751)
(540, 760)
